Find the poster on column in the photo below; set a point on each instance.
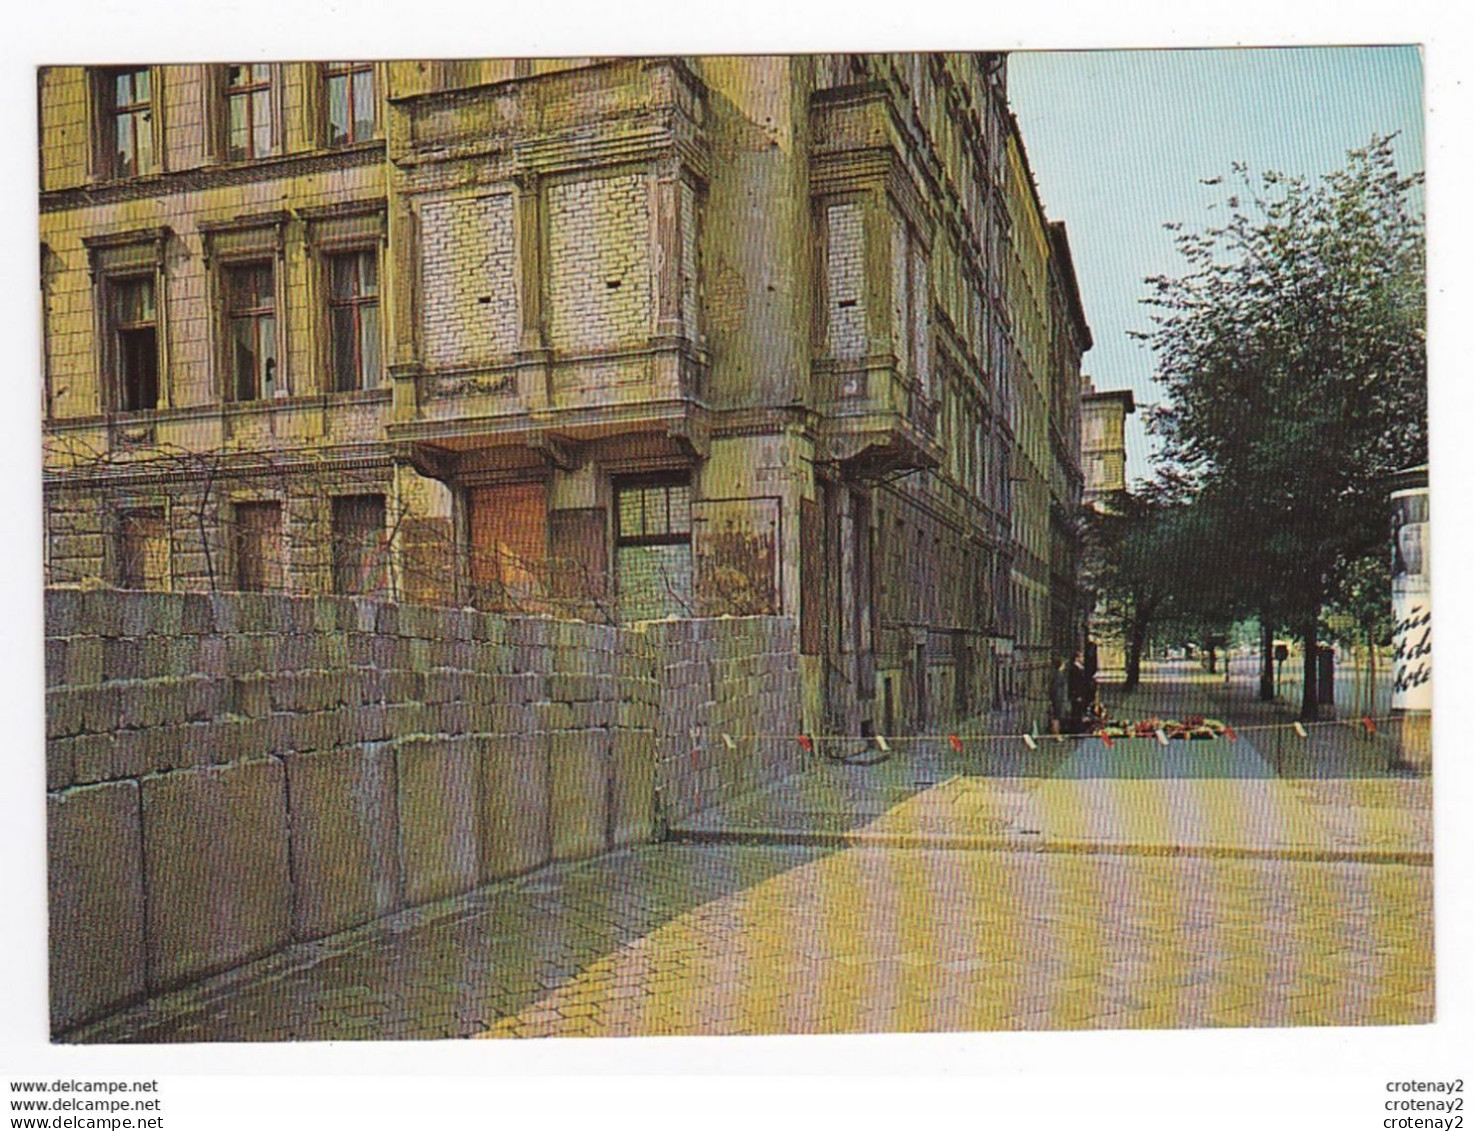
(1412, 607)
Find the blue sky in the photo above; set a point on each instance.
(1119, 142)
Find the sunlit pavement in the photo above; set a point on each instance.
(996, 887)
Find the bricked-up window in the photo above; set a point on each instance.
(250, 303)
(248, 119)
(353, 315)
(360, 545)
(258, 547)
(133, 318)
(128, 100)
(351, 106)
(653, 546)
(143, 549)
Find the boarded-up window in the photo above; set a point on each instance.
(509, 547)
(653, 547)
(143, 549)
(360, 545)
(258, 547)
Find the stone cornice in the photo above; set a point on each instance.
(212, 176)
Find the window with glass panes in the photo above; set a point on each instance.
(653, 547)
(353, 314)
(130, 105)
(248, 111)
(250, 297)
(350, 102)
(134, 317)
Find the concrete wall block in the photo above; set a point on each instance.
(62, 612)
(405, 719)
(406, 687)
(61, 761)
(205, 698)
(515, 824)
(369, 723)
(456, 624)
(591, 714)
(448, 718)
(96, 901)
(344, 838)
(64, 712)
(320, 730)
(83, 660)
(250, 695)
(101, 612)
(278, 734)
(101, 708)
(438, 848)
(55, 660)
(552, 717)
(632, 799)
(197, 614)
(458, 655)
(443, 687)
(487, 628)
(152, 703)
(529, 632)
(365, 613)
(387, 623)
(215, 853)
(225, 613)
(164, 613)
(579, 762)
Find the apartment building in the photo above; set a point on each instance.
(604, 338)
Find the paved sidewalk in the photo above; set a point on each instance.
(1326, 796)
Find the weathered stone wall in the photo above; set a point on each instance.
(733, 677)
(227, 774)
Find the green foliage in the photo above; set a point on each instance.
(1292, 352)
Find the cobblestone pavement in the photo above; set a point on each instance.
(703, 939)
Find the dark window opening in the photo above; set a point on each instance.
(251, 316)
(135, 332)
(353, 315)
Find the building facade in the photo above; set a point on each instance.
(1103, 416)
(612, 339)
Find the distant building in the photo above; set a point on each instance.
(1103, 442)
(604, 338)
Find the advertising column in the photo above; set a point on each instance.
(1412, 618)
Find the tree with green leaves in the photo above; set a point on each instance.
(1292, 352)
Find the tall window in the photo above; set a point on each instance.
(129, 100)
(134, 323)
(250, 298)
(653, 547)
(258, 547)
(143, 549)
(351, 103)
(359, 544)
(248, 111)
(353, 311)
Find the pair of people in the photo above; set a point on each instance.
(1072, 695)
